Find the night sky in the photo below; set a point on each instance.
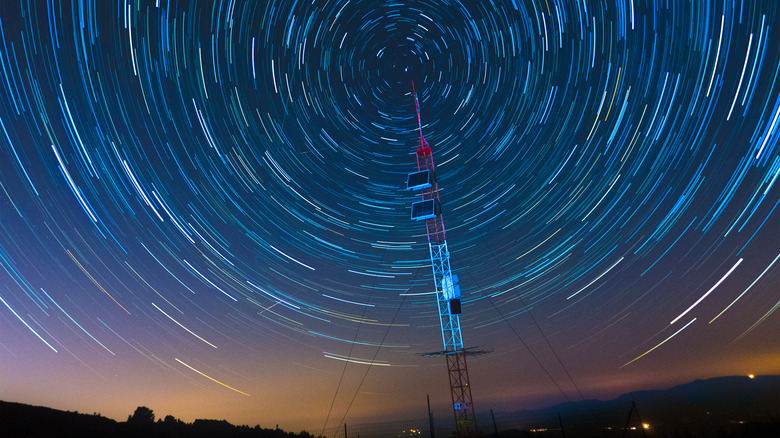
(203, 205)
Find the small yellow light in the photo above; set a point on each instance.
(646, 425)
(751, 376)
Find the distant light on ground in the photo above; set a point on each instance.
(645, 426)
(751, 376)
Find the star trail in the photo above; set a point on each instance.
(202, 204)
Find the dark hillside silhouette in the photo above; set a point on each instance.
(20, 420)
(24, 421)
(723, 407)
(735, 406)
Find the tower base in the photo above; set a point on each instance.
(465, 424)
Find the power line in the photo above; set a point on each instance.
(351, 347)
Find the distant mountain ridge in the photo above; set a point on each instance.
(715, 404)
(721, 395)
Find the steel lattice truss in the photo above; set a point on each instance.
(447, 288)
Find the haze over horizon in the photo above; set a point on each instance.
(202, 204)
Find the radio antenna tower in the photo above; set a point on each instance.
(446, 283)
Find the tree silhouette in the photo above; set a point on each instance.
(142, 415)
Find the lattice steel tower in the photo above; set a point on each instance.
(446, 283)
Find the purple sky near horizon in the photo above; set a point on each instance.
(202, 204)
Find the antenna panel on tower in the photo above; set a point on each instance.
(422, 210)
(419, 180)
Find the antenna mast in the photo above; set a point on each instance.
(446, 283)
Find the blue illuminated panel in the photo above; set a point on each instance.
(422, 210)
(419, 180)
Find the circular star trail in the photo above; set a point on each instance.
(195, 192)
